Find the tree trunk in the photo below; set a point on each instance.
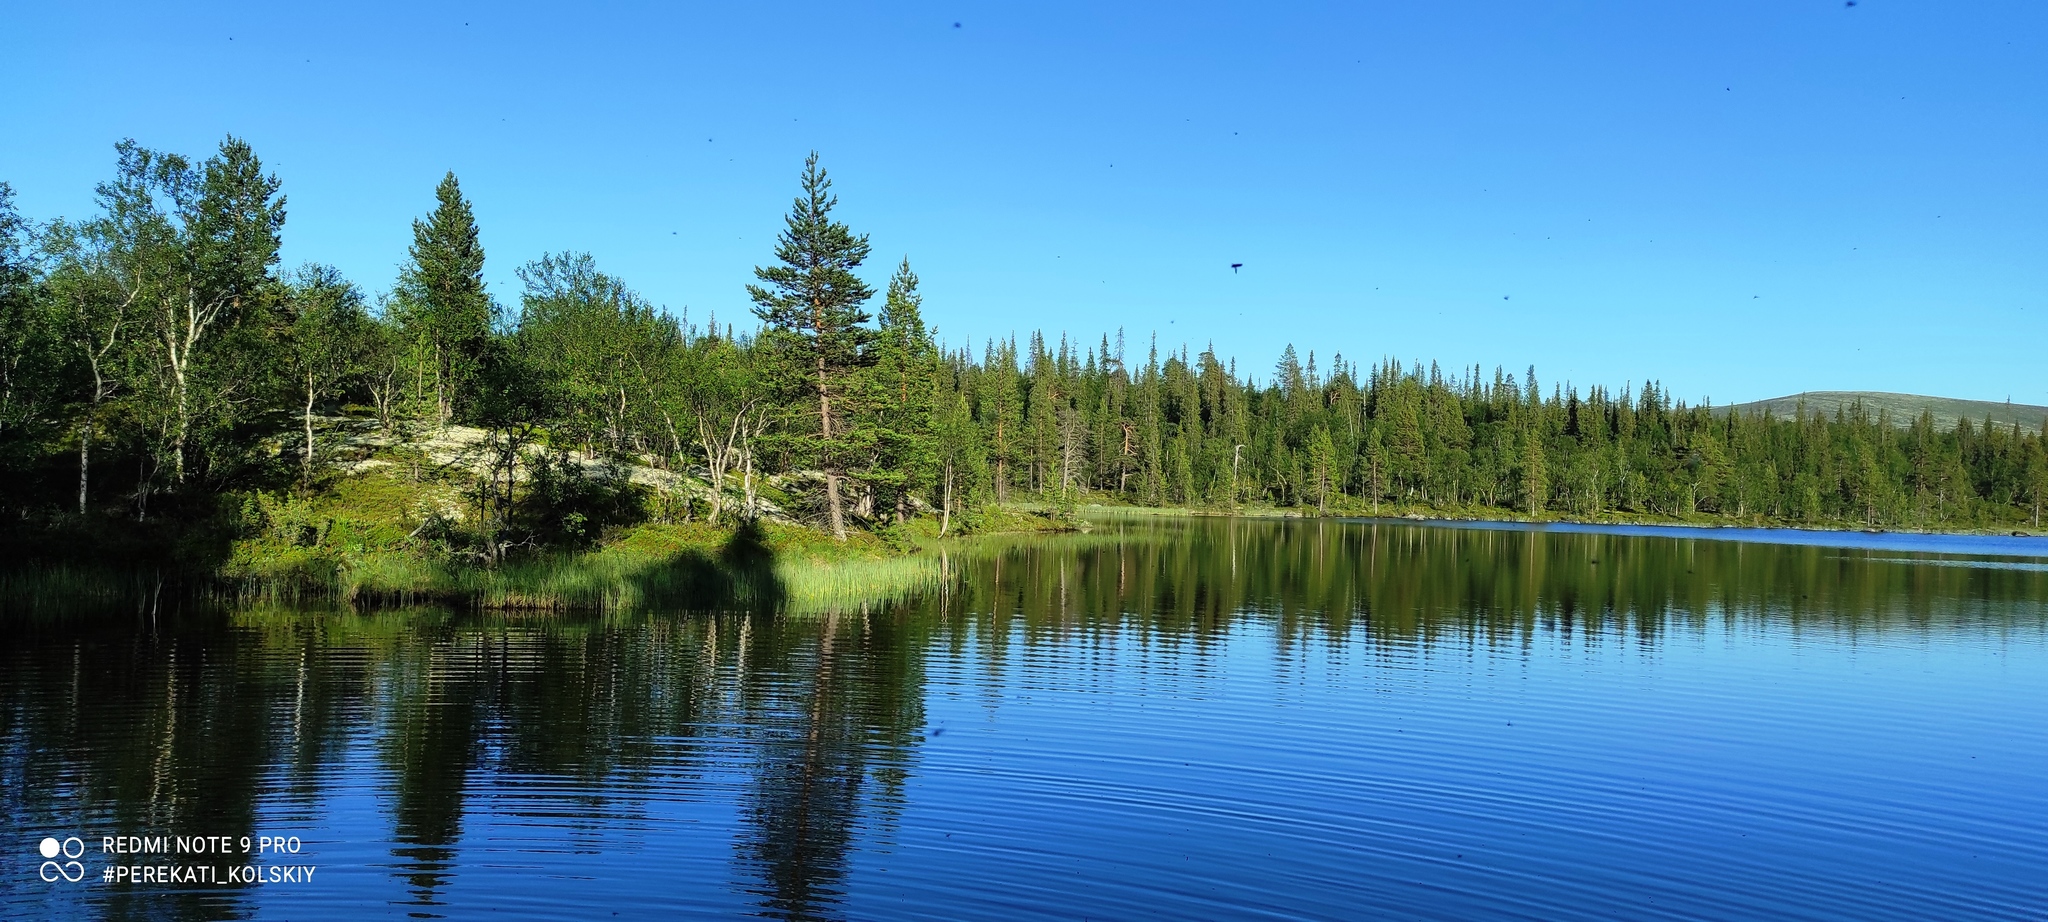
(307, 462)
(747, 485)
(142, 488)
(946, 511)
(832, 500)
(84, 460)
(441, 386)
(382, 395)
(179, 348)
(716, 457)
(184, 424)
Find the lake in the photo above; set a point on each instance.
(1164, 718)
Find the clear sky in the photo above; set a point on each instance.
(1742, 199)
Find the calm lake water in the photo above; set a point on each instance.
(1175, 719)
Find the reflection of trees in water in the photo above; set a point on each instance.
(183, 730)
(832, 706)
(565, 700)
(835, 707)
(113, 731)
(434, 700)
(155, 736)
(1190, 581)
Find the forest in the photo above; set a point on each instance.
(164, 380)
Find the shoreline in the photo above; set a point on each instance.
(1269, 512)
(789, 568)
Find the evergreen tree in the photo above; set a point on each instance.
(2037, 472)
(1535, 478)
(1322, 466)
(900, 399)
(154, 341)
(444, 307)
(1000, 408)
(1372, 457)
(812, 305)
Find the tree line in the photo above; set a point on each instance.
(155, 357)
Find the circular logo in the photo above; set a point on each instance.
(52, 871)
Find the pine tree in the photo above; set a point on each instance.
(896, 418)
(812, 307)
(1373, 458)
(443, 302)
(961, 456)
(1535, 479)
(1322, 465)
(1000, 407)
(2037, 472)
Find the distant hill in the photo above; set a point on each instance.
(1904, 408)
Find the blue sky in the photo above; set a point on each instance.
(1742, 199)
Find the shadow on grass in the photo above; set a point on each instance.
(748, 569)
(67, 567)
(739, 573)
(742, 573)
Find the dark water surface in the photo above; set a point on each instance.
(1165, 719)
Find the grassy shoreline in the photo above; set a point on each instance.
(352, 561)
(687, 566)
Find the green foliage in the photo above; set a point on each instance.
(31, 333)
(442, 305)
(1941, 412)
(166, 397)
(332, 345)
(812, 311)
(895, 446)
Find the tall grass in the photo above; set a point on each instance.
(851, 583)
(687, 568)
(54, 591)
(632, 575)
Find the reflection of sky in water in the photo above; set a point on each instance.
(2001, 545)
(1957, 562)
(1225, 719)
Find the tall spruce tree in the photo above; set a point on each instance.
(812, 306)
(897, 419)
(1535, 476)
(443, 303)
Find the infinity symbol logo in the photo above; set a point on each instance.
(72, 871)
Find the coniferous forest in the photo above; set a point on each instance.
(164, 379)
